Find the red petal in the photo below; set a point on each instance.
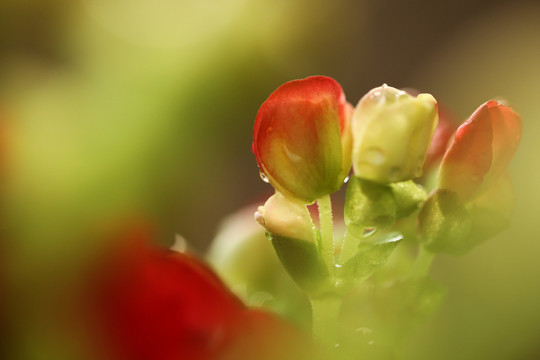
(469, 157)
(158, 304)
(506, 125)
(296, 137)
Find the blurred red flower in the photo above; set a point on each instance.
(159, 304)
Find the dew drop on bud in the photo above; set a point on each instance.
(346, 180)
(369, 231)
(374, 156)
(264, 177)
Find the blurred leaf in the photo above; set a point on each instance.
(370, 257)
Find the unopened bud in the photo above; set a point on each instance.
(392, 131)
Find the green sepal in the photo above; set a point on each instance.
(368, 204)
(303, 263)
(370, 257)
(445, 224)
(408, 196)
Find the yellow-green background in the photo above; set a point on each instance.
(142, 108)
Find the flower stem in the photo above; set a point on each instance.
(349, 247)
(325, 315)
(423, 262)
(327, 232)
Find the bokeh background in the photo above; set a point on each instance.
(112, 109)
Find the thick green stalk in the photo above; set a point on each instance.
(325, 315)
(327, 232)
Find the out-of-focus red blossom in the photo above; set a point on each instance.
(481, 150)
(154, 303)
(302, 138)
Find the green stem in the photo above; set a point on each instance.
(327, 231)
(423, 262)
(349, 247)
(325, 315)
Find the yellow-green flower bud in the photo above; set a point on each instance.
(392, 131)
(286, 217)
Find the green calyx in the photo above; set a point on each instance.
(372, 205)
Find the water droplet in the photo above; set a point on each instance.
(364, 331)
(337, 345)
(293, 158)
(264, 177)
(394, 173)
(346, 180)
(393, 237)
(377, 96)
(259, 216)
(371, 342)
(374, 156)
(369, 231)
(338, 266)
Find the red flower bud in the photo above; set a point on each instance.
(446, 128)
(301, 138)
(481, 151)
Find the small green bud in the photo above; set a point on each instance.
(392, 131)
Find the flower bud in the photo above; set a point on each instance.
(292, 234)
(481, 150)
(286, 217)
(392, 131)
(298, 136)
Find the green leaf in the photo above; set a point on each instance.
(370, 257)
(303, 263)
(368, 204)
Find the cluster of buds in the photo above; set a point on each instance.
(307, 137)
